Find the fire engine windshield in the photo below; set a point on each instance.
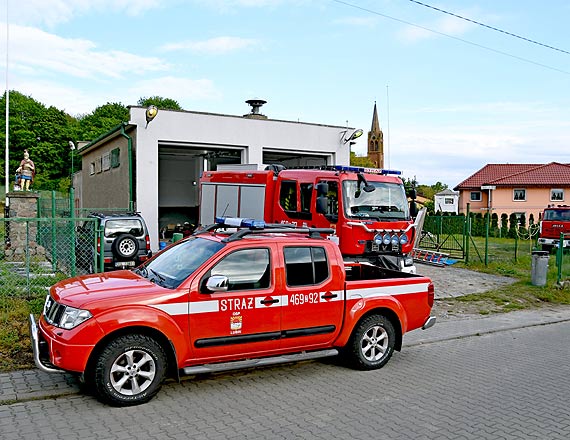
(386, 202)
(557, 214)
(173, 265)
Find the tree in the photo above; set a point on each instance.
(44, 132)
(160, 102)
(101, 120)
(360, 161)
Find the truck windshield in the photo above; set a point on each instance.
(173, 265)
(387, 202)
(557, 214)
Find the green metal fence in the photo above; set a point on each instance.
(563, 261)
(476, 238)
(37, 252)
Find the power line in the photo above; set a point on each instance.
(491, 27)
(526, 60)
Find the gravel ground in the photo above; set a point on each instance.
(452, 282)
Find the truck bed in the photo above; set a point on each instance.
(366, 271)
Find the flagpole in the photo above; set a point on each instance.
(7, 138)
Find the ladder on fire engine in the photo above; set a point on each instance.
(430, 257)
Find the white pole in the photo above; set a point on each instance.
(7, 152)
(387, 154)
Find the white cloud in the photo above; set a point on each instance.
(32, 49)
(53, 12)
(217, 45)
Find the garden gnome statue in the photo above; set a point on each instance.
(27, 170)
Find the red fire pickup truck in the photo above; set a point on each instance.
(222, 300)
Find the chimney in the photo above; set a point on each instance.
(255, 106)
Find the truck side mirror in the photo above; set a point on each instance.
(322, 189)
(322, 203)
(413, 208)
(217, 283)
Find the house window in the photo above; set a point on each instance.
(556, 195)
(519, 195)
(92, 168)
(448, 201)
(115, 158)
(475, 196)
(106, 161)
(98, 165)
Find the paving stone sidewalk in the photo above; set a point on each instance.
(449, 282)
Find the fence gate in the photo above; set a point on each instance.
(444, 234)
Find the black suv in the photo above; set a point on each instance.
(126, 242)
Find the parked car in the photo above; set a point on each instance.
(126, 242)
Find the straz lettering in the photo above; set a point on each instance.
(236, 304)
(298, 299)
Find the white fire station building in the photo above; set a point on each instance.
(152, 163)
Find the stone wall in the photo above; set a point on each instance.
(22, 234)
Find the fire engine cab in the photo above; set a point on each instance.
(366, 208)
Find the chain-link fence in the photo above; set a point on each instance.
(477, 238)
(41, 251)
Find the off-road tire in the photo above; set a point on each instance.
(372, 343)
(125, 246)
(129, 370)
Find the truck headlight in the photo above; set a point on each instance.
(72, 317)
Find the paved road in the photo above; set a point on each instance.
(495, 377)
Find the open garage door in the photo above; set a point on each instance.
(179, 172)
(290, 159)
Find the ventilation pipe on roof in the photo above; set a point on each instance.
(255, 106)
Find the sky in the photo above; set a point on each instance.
(452, 95)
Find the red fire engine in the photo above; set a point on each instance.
(367, 208)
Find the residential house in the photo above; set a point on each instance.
(447, 201)
(516, 188)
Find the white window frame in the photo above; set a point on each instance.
(515, 192)
(554, 191)
(479, 196)
(448, 201)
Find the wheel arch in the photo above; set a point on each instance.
(390, 314)
(158, 336)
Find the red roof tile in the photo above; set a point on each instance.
(550, 174)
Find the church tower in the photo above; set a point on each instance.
(376, 141)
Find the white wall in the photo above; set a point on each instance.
(211, 130)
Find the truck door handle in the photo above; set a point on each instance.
(269, 301)
(329, 296)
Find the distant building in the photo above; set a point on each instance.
(516, 188)
(447, 201)
(153, 165)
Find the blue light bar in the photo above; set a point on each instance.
(237, 222)
(352, 169)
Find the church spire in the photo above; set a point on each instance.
(375, 124)
(376, 141)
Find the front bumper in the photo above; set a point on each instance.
(40, 349)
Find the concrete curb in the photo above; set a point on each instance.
(26, 385)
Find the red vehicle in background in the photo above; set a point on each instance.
(554, 221)
(367, 208)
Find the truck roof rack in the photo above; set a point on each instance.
(249, 226)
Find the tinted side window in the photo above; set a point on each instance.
(245, 269)
(288, 195)
(305, 265)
